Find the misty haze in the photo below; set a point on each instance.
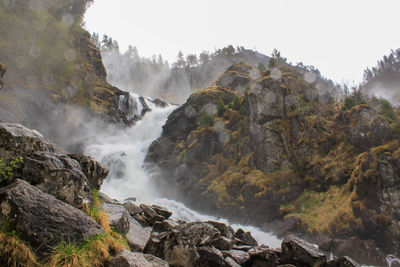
(179, 133)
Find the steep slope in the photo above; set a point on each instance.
(55, 78)
(279, 149)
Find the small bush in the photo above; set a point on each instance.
(387, 110)
(236, 103)
(206, 120)
(221, 107)
(7, 169)
(13, 252)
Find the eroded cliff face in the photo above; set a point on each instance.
(279, 152)
(55, 79)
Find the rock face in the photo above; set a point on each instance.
(42, 219)
(3, 70)
(50, 168)
(278, 150)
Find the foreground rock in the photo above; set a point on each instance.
(69, 178)
(42, 219)
(126, 258)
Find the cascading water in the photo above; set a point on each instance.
(123, 152)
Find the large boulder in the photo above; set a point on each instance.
(137, 236)
(42, 219)
(70, 178)
(298, 251)
(119, 217)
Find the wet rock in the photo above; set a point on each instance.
(223, 243)
(264, 256)
(42, 219)
(162, 211)
(58, 175)
(343, 261)
(126, 258)
(151, 214)
(132, 208)
(239, 256)
(163, 226)
(106, 199)
(230, 262)
(137, 236)
(178, 246)
(93, 170)
(210, 257)
(118, 216)
(225, 229)
(245, 238)
(297, 251)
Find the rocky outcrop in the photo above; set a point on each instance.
(48, 167)
(42, 219)
(126, 258)
(278, 150)
(3, 70)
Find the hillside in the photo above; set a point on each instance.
(278, 151)
(55, 79)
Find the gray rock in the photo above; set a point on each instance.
(93, 170)
(118, 216)
(239, 256)
(151, 214)
(164, 226)
(223, 243)
(225, 229)
(380, 131)
(264, 256)
(106, 199)
(42, 219)
(132, 208)
(162, 211)
(210, 257)
(126, 258)
(245, 238)
(137, 236)
(230, 262)
(297, 251)
(58, 175)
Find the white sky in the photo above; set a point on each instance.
(340, 37)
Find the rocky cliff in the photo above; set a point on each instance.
(278, 151)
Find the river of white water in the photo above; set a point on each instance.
(124, 151)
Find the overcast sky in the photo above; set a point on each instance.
(341, 37)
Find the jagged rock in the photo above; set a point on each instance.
(137, 236)
(210, 257)
(118, 216)
(126, 258)
(17, 140)
(223, 243)
(42, 219)
(380, 131)
(245, 238)
(58, 175)
(225, 229)
(132, 208)
(151, 214)
(362, 116)
(343, 261)
(106, 199)
(264, 256)
(162, 211)
(230, 262)
(298, 251)
(178, 246)
(163, 226)
(93, 170)
(239, 256)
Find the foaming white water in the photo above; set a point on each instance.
(123, 152)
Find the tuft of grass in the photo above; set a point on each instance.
(13, 252)
(94, 210)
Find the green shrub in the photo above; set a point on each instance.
(387, 110)
(236, 103)
(206, 120)
(221, 107)
(7, 169)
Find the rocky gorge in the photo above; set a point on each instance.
(45, 203)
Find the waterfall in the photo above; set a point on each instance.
(123, 152)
